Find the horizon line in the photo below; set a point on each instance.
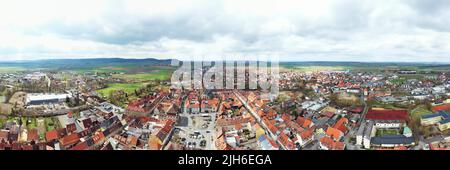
(281, 61)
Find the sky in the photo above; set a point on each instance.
(293, 30)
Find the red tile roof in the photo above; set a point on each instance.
(98, 137)
(69, 139)
(381, 114)
(304, 122)
(340, 125)
(284, 139)
(334, 133)
(307, 134)
(71, 128)
(441, 107)
(332, 145)
(81, 146)
(51, 135)
(33, 135)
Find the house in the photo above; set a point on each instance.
(267, 144)
(444, 124)
(304, 122)
(82, 146)
(305, 137)
(334, 133)
(33, 135)
(194, 107)
(164, 133)
(328, 143)
(210, 105)
(286, 142)
(340, 125)
(71, 128)
(69, 140)
(4, 134)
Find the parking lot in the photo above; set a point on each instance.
(198, 130)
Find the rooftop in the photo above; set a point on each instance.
(385, 114)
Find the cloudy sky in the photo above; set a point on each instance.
(300, 30)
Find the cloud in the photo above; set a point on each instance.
(350, 30)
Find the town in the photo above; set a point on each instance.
(324, 109)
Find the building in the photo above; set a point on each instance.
(439, 117)
(386, 118)
(267, 144)
(327, 143)
(392, 141)
(360, 134)
(369, 132)
(41, 98)
(444, 124)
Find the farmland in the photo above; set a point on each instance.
(127, 88)
(11, 69)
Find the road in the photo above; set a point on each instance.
(352, 131)
(258, 119)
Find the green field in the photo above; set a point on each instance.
(383, 132)
(127, 88)
(318, 68)
(11, 69)
(163, 74)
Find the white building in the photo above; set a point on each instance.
(43, 98)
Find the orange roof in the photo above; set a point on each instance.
(132, 140)
(33, 135)
(441, 107)
(284, 139)
(336, 134)
(98, 137)
(81, 146)
(286, 117)
(304, 122)
(51, 135)
(332, 145)
(261, 113)
(272, 128)
(238, 126)
(272, 113)
(70, 139)
(306, 134)
(340, 125)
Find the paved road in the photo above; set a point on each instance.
(258, 119)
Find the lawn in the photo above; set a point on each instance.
(400, 80)
(127, 88)
(383, 132)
